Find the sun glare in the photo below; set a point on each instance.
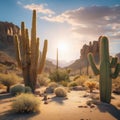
(62, 47)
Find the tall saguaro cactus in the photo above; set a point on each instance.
(106, 73)
(28, 54)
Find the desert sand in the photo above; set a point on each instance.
(73, 107)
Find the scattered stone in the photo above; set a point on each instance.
(81, 119)
(37, 92)
(49, 90)
(117, 91)
(46, 102)
(83, 106)
(45, 97)
(92, 106)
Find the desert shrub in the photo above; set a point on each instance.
(8, 80)
(59, 75)
(64, 83)
(43, 80)
(51, 87)
(17, 89)
(60, 92)
(73, 84)
(28, 89)
(81, 80)
(91, 85)
(76, 77)
(26, 103)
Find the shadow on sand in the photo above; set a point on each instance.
(5, 96)
(59, 100)
(16, 116)
(111, 109)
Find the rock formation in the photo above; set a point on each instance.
(93, 47)
(7, 31)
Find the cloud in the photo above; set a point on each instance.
(40, 8)
(19, 2)
(93, 20)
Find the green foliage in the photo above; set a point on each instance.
(64, 83)
(28, 89)
(17, 89)
(73, 84)
(9, 79)
(60, 92)
(26, 103)
(59, 75)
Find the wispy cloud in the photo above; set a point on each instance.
(40, 8)
(94, 20)
(19, 2)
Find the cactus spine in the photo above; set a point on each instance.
(105, 71)
(27, 54)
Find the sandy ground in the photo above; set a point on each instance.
(73, 108)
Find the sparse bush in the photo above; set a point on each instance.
(73, 84)
(51, 87)
(8, 80)
(81, 80)
(91, 85)
(64, 83)
(60, 92)
(76, 77)
(17, 89)
(59, 75)
(43, 80)
(26, 103)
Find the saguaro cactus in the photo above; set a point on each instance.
(106, 73)
(28, 54)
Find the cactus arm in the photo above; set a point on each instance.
(92, 63)
(116, 72)
(43, 57)
(33, 40)
(113, 62)
(17, 48)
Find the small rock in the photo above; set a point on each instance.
(46, 102)
(92, 106)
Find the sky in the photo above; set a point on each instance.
(67, 24)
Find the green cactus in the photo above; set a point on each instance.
(28, 54)
(105, 72)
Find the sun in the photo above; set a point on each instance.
(63, 47)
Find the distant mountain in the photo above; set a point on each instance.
(62, 63)
(75, 65)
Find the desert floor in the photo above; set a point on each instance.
(73, 107)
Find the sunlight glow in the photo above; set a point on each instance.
(62, 47)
